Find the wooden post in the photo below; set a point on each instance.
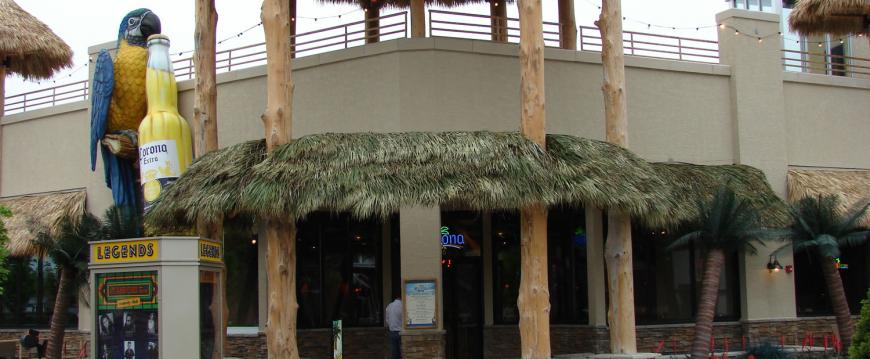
(418, 18)
(373, 24)
(534, 294)
(205, 135)
(292, 28)
(567, 25)
(2, 113)
(498, 23)
(617, 249)
(280, 232)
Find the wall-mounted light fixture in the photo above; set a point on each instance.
(773, 265)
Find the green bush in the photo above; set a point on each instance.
(860, 347)
(765, 350)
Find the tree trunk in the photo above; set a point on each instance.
(618, 254)
(498, 23)
(418, 18)
(707, 303)
(373, 25)
(534, 295)
(567, 25)
(58, 318)
(280, 232)
(292, 28)
(834, 284)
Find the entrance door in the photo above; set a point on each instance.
(463, 312)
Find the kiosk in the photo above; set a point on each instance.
(156, 297)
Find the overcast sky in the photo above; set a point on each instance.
(86, 23)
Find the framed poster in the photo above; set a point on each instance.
(421, 303)
(126, 315)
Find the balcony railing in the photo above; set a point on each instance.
(48, 97)
(825, 64)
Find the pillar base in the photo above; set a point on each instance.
(423, 344)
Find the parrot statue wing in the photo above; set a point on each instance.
(101, 96)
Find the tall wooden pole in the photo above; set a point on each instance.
(567, 25)
(293, 28)
(418, 18)
(2, 113)
(534, 294)
(617, 249)
(205, 134)
(373, 24)
(498, 22)
(280, 232)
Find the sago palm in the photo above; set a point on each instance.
(726, 225)
(68, 249)
(821, 227)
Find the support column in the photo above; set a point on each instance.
(498, 23)
(595, 270)
(758, 119)
(421, 260)
(418, 19)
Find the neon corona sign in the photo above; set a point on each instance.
(449, 240)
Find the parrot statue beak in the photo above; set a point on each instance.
(150, 25)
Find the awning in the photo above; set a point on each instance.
(853, 187)
(32, 214)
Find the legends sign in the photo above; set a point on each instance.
(126, 251)
(210, 251)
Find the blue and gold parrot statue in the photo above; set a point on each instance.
(118, 101)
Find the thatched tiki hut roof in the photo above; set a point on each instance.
(837, 17)
(30, 48)
(32, 214)
(373, 175)
(852, 187)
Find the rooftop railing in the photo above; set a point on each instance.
(48, 97)
(825, 64)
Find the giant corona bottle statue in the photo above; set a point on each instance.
(165, 148)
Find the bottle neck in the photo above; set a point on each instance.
(161, 89)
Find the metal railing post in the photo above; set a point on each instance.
(230, 60)
(680, 48)
(53, 95)
(345, 36)
(631, 42)
(430, 22)
(580, 37)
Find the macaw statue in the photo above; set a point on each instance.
(118, 102)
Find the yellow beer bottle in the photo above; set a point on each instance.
(165, 149)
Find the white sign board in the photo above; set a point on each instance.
(420, 303)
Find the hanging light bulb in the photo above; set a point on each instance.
(722, 26)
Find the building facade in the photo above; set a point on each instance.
(749, 108)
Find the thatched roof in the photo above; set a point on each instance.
(370, 174)
(837, 17)
(34, 213)
(690, 182)
(853, 187)
(33, 50)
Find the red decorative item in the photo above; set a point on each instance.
(789, 268)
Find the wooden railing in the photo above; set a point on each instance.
(48, 97)
(825, 64)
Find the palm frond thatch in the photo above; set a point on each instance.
(691, 183)
(852, 188)
(371, 174)
(836, 17)
(33, 50)
(34, 213)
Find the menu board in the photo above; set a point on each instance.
(126, 313)
(420, 303)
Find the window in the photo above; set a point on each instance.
(756, 5)
(240, 258)
(811, 293)
(667, 283)
(30, 291)
(566, 262)
(339, 271)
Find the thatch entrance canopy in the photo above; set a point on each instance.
(370, 174)
(32, 214)
(836, 17)
(30, 47)
(853, 187)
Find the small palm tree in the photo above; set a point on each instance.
(820, 225)
(68, 249)
(725, 225)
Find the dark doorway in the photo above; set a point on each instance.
(462, 277)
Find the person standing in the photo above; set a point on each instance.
(393, 322)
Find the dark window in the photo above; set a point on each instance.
(339, 271)
(240, 258)
(566, 262)
(667, 283)
(838, 60)
(810, 290)
(29, 294)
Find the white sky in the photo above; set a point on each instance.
(86, 23)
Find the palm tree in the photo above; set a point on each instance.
(819, 224)
(68, 249)
(726, 225)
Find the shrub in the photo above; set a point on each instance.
(765, 351)
(860, 347)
